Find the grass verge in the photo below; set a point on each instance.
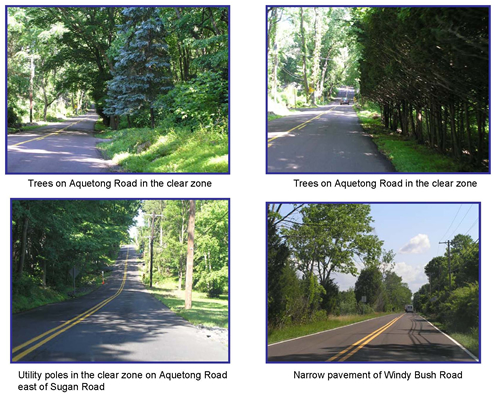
(469, 339)
(168, 149)
(405, 154)
(318, 326)
(272, 117)
(26, 128)
(209, 312)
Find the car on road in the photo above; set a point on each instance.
(344, 100)
(409, 308)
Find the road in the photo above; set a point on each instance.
(65, 147)
(392, 338)
(327, 139)
(119, 322)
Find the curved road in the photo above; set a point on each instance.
(65, 147)
(391, 338)
(119, 322)
(327, 139)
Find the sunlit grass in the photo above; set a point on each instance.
(209, 312)
(26, 128)
(168, 150)
(405, 154)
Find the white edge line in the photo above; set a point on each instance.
(321, 332)
(451, 339)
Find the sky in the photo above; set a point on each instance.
(413, 232)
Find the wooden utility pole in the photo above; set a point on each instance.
(449, 261)
(190, 254)
(151, 247)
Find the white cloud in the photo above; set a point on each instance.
(417, 245)
(414, 276)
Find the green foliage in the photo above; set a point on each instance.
(329, 237)
(461, 310)
(309, 44)
(454, 303)
(428, 68)
(50, 237)
(369, 284)
(211, 260)
(202, 100)
(142, 68)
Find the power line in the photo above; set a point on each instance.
(473, 224)
(451, 224)
(461, 221)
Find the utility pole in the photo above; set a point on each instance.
(151, 247)
(449, 261)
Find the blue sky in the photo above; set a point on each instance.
(413, 232)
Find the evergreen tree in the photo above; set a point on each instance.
(142, 69)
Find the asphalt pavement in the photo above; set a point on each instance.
(327, 139)
(391, 338)
(119, 322)
(64, 147)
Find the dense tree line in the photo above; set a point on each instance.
(211, 243)
(303, 258)
(50, 237)
(452, 293)
(428, 69)
(138, 65)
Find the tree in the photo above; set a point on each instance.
(190, 254)
(398, 294)
(331, 236)
(277, 257)
(142, 69)
(49, 237)
(370, 285)
(428, 67)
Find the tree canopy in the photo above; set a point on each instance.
(308, 246)
(125, 60)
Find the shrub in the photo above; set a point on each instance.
(12, 116)
(461, 311)
(203, 99)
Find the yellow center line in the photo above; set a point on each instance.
(47, 135)
(302, 125)
(363, 341)
(71, 322)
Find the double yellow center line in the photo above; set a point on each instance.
(302, 125)
(355, 347)
(47, 135)
(67, 325)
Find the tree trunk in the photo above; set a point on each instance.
(32, 76)
(24, 239)
(190, 254)
(152, 114)
(304, 65)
